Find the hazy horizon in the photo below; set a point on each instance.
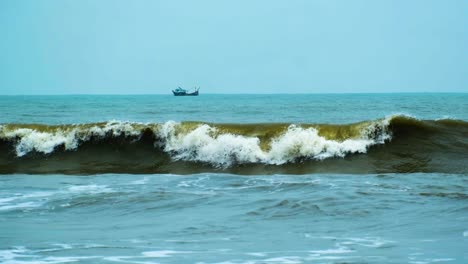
(246, 47)
(226, 93)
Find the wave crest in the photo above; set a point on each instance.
(219, 145)
(46, 139)
(223, 145)
(407, 145)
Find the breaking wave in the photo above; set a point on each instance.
(106, 146)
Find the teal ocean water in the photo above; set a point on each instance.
(301, 108)
(349, 178)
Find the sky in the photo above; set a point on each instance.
(236, 46)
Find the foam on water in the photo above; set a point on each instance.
(22, 201)
(210, 237)
(92, 189)
(205, 144)
(372, 242)
(37, 199)
(151, 147)
(162, 253)
(417, 179)
(20, 206)
(341, 250)
(29, 139)
(7, 256)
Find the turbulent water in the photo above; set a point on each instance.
(234, 179)
(405, 143)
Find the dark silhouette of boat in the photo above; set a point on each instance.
(182, 92)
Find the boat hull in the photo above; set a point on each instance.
(185, 94)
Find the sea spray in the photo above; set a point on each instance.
(200, 142)
(393, 144)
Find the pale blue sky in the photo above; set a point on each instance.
(237, 46)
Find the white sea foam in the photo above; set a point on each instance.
(372, 242)
(24, 205)
(141, 181)
(162, 253)
(7, 256)
(44, 142)
(332, 251)
(206, 145)
(284, 260)
(7, 200)
(29, 139)
(201, 144)
(92, 188)
(298, 142)
(20, 201)
(442, 259)
(21, 255)
(256, 254)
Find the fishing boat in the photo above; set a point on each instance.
(182, 92)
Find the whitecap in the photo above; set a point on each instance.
(162, 253)
(92, 188)
(205, 144)
(23, 205)
(332, 251)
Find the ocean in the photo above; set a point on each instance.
(300, 178)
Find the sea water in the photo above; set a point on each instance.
(408, 205)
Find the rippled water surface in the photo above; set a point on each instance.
(213, 218)
(302, 108)
(266, 217)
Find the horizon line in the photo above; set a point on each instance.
(313, 93)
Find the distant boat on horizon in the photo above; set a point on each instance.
(182, 92)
